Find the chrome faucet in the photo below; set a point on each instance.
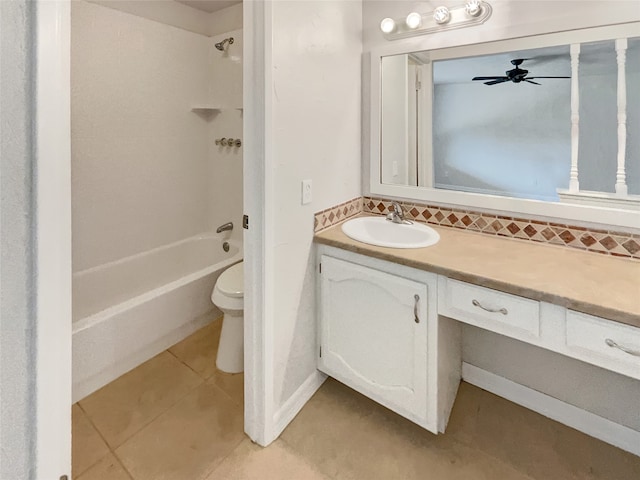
(397, 216)
(223, 228)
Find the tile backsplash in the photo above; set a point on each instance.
(331, 216)
(608, 242)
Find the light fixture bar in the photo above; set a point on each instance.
(472, 13)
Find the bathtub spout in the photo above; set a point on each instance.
(225, 227)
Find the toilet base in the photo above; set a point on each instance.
(230, 358)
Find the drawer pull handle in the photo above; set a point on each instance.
(415, 308)
(476, 303)
(613, 344)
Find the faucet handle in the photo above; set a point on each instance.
(397, 208)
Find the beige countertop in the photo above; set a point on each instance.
(600, 285)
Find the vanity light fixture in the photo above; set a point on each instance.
(473, 12)
(414, 20)
(473, 8)
(388, 25)
(441, 15)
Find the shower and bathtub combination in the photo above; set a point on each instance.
(129, 310)
(149, 184)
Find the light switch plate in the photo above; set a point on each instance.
(306, 192)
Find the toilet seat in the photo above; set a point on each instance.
(231, 282)
(228, 294)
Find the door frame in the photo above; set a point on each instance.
(52, 218)
(52, 222)
(259, 404)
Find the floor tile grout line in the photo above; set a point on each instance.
(300, 456)
(186, 364)
(222, 459)
(158, 415)
(189, 391)
(112, 449)
(86, 415)
(124, 467)
(183, 361)
(228, 395)
(217, 464)
(205, 378)
(165, 412)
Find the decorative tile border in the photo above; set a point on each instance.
(607, 242)
(331, 216)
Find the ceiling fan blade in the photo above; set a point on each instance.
(530, 81)
(490, 78)
(547, 77)
(495, 82)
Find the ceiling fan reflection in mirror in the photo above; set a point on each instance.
(515, 75)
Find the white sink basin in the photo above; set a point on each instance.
(383, 233)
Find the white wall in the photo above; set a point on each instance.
(315, 120)
(170, 12)
(140, 166)
(17, 320)
(512, 19)
(225, 20)
(609, 394)
(166, 12)
(509, 139)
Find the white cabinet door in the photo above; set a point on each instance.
(374, 335)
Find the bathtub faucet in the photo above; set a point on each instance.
(223, 228)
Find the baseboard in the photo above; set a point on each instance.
(294, 404)
(593, 425)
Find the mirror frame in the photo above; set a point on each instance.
(553, 211)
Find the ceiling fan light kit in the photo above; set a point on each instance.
(473, 12)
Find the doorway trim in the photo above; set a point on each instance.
(52, 224)
(258, 183)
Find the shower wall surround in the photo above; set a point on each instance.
(145, 172)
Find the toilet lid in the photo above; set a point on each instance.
(231, 282)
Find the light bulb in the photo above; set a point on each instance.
(441, 15)
(414, 20)
(473, 8)
(387, 25)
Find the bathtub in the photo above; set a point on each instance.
(127, 311)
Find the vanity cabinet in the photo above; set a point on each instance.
(605, 344)
(369, 339)
(379, 335)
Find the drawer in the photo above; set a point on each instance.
(499, 312)
(602, 342)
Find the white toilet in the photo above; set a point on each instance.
(228, 296)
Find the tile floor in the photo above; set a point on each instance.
(177, 418)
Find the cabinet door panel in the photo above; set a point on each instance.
(369, 337)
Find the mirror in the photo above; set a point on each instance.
(499, 121)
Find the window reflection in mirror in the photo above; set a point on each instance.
(509, 131)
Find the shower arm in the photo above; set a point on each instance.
(220, 45)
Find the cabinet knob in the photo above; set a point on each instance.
(415, 308)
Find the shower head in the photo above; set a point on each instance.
(220, 45)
